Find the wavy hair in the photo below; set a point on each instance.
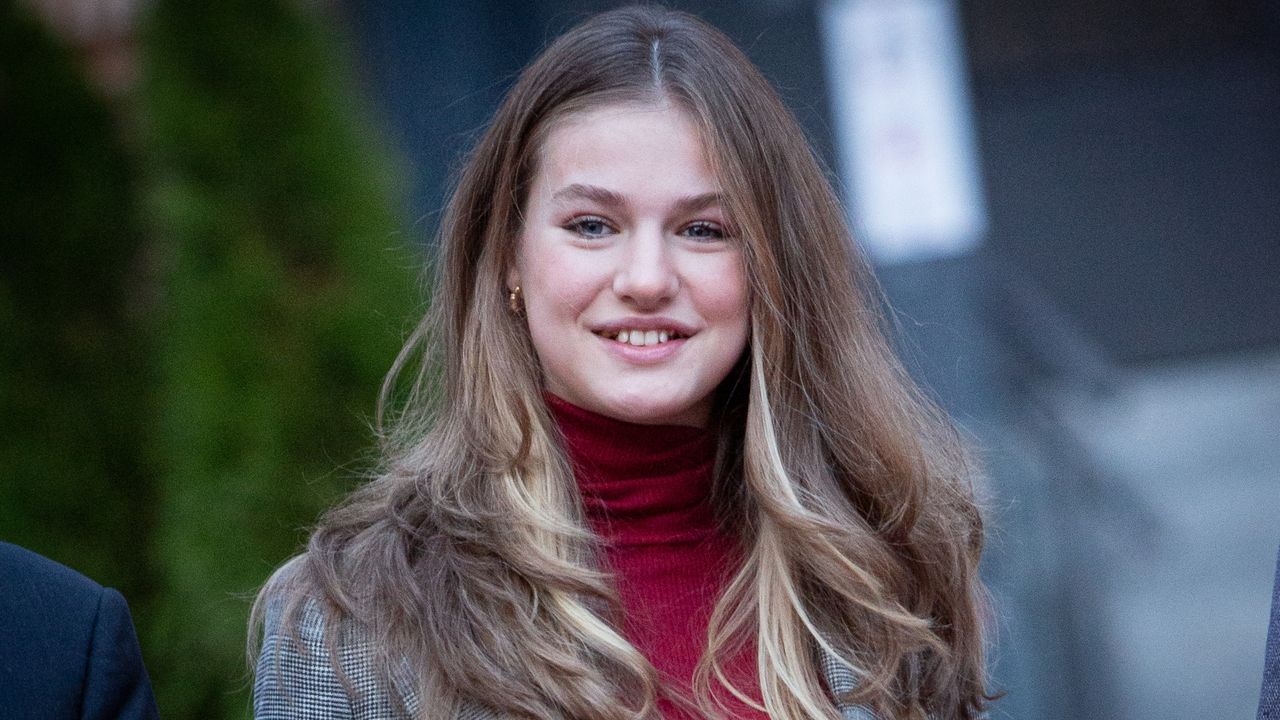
(467, 558)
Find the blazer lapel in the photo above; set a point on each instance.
(841, 680)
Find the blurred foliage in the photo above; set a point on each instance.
(196, 323)
(286, 289)
(75, 361)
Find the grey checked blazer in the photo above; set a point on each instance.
(294, 684)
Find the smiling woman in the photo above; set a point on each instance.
(635, 294)
(658, 460)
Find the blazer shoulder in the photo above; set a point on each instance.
(116, 684)
(24, 570)
(312, 666)
(82, 633)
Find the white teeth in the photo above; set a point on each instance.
(641, 338)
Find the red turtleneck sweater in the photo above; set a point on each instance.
(647, 494)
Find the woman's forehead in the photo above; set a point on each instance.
(614, 145)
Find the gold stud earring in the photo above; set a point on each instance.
(515, 301)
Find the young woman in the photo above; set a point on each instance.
(658, 460)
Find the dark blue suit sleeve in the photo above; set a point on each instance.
(1269, 703)
(115, 682)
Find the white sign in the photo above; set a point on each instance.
(903, 126)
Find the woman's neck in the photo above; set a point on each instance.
(640, 484)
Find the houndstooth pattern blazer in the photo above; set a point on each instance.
(299, 683)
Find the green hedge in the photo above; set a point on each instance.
(287, 288)
(196, 332)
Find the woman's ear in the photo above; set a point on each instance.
(513, 278)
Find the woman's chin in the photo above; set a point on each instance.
(650, 412)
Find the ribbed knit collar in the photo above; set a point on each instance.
(640, 484)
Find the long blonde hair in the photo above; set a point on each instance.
(467, 557)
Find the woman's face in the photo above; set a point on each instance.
(633, 285)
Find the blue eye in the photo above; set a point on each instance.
(589, 226)
(704, 230)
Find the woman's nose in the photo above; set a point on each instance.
(647, 274)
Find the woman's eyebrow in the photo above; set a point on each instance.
(697, 203)
(613, 200)
(594, 193)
